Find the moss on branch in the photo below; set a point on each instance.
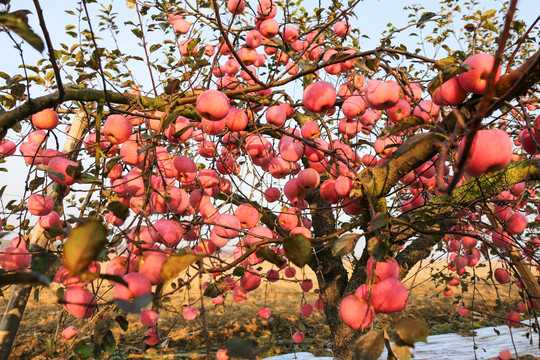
(32, 106)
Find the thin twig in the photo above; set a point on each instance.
(52, 57)
(98, 56)
(146, 50)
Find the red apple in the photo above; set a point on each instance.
(399, 111)
(512, 319)
(383, 270)
(389, 296)
(342, 28)
(69, 332)
(213, 105)
(356, 312)
(319, 96)
(222, 354)
(264, 313)
(247, 215)
(502, 276)
(60, 165)
(15, 259)
(475, 80)
(275, 115)
(449, 93)
(49, 220)
(491, 151)
(138, 286)
(236, 6)
(40, 205)
(46, 119)
(149, 317)
(354, 107)
(266, 9)
(298, 337)
(117, 129)
(79, 302)
(308, 179)
(151, 336)
(181, 26)
(382, 95)
(269, 28)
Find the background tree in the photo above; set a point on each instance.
(264, 128)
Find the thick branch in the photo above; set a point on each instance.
(444, 207)
(10, 118)
(422, 147)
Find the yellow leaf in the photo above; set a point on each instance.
(175, 264)
(83, 246)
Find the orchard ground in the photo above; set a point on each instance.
(44, 320)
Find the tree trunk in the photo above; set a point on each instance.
(38, 242)
(332, 278)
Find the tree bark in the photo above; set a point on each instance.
(332, 277)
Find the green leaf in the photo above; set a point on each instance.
(135, 306)
(154, 47)
(269, 255)
(74, 171)
(17, 22)
(138, 33)
(239, 271)
(489, 14)
(405, 123)
(215, 289)
(412, 330)
(108, 344)
(446, 62)
(43, 261)
(83, 246)
(245, 348)
(361, 63)
(307, 80)
(122, 322)
(426, 16)
(345, 244)
(298, 249)
(445, 75)
(85, 349)
(173, 85)
(378, 222)
(89, 179)
(192, 44)
(37, 182)
(56, 231)
(377, 248)
(112, 161)
(119, 209)
(175, 264)
(53, 173)
(369, 346)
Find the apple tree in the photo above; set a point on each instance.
(263, 130)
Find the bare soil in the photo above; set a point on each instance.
(39, 333)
